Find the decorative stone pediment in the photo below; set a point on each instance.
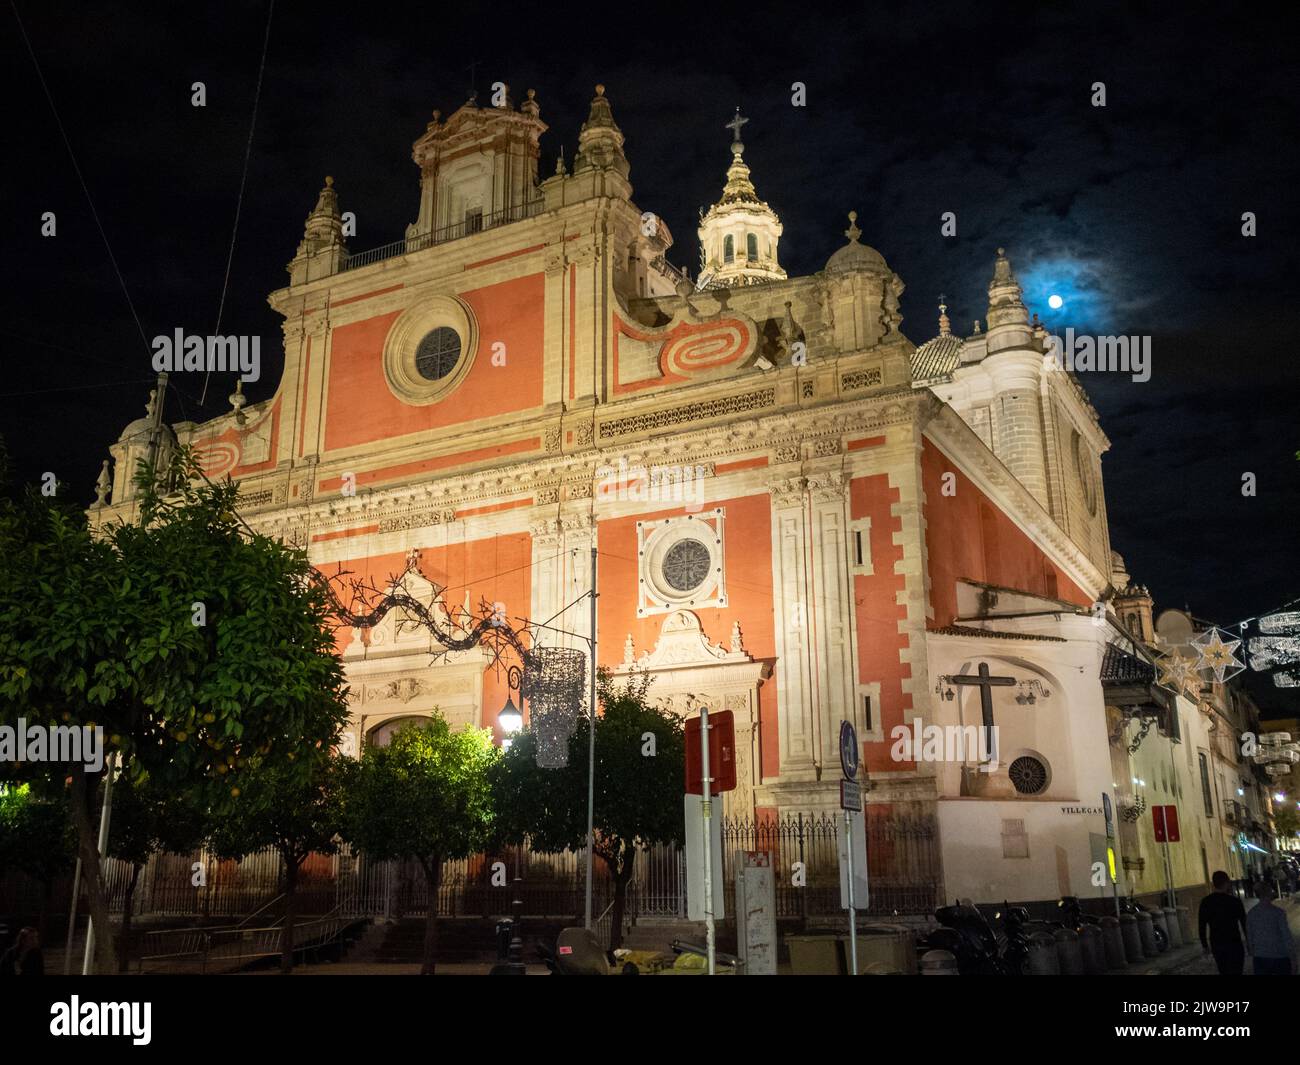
(682, 643)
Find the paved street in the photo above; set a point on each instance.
(1203, 964)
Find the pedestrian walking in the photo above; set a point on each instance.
(1269, 936)
(1223, 916)
(24, 958)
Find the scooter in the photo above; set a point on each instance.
(968, 937)
(1128, 904)
(1072, 915)
(1015, 950)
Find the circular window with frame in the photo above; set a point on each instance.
(1029, 774)
(429, 350)
(681, 565)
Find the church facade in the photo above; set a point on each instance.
(798, 514)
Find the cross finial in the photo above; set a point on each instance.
(735, 124)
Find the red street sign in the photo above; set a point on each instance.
(722, 754)
(1165, 819)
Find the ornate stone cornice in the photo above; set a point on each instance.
(960, 442)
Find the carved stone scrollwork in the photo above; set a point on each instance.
(851, 382)
(828, 487)
(788, 492)
(547, 495)
(788, 453)
(584, 434)
(552, 438)
(826, 447)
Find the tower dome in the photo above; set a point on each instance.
(740, 233)
(855, 255)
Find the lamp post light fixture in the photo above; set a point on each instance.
(511, 721)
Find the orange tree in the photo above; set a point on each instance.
(639, 782)
(195, 645)
(426, 797)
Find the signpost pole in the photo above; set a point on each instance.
(853, 913)
(1110, 848)
(706, 808)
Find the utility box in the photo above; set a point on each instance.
(813, 954)
(884, 950)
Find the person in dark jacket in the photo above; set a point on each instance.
(1269, 936)
(1223, 915)
(24, 958)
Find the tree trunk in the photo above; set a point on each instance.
(124, 937)
(432, 877)
(622, 877)
(83, 801)
(290, 912)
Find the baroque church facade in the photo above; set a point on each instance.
(799, 515)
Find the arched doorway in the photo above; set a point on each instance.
(382, 734)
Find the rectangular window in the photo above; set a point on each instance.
(474, 220)
(1205, 784)
(860, 546)
(866, 713)
(1015, 840)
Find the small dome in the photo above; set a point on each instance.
(855, 255)
(936, 358)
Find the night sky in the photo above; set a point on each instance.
(1131, 212)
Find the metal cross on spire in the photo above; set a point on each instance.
(735, 124)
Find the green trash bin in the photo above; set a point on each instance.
(814, 954)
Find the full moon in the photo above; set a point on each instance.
(1054, 302)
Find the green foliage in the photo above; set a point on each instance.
(1286, 820)
(426, 796)
(98, 629)
(279, 806)
(638, 798)
(148, 819)
(36, 835)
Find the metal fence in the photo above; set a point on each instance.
(468, 227)
(902, 860)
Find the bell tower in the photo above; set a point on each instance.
(740, 233)
(478, 169)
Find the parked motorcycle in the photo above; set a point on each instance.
(1071, 913)
(1015, 948)
(967, 935)
(1128, 904)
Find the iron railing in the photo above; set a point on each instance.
(472, 224)
(902, 859)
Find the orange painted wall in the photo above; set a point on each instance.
(968, 536)
(497, 569)
(747, 547)
(880, 644)
(360, 409)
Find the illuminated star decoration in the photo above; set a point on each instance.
(1217, 654)
(1178, 674)
(1279, 652)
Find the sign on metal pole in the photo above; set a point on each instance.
(850, 796)
(695, 860)
(1165, 819)
(859, 862)
(722, 754)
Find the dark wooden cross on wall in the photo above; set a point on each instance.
(986, 684)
